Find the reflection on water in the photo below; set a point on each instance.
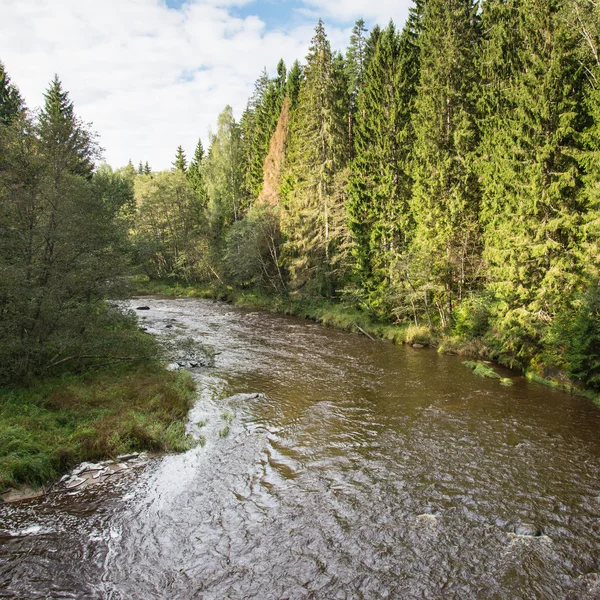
(352, 469)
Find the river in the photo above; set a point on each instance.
(335, 467)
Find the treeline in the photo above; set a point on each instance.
(64, 244)
(446, 175)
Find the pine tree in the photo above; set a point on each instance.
(531, 207)
(380, 181)
(318, 152)
(140, 168)
(180, 163)
(11, 103)
(147, 169)
(445, 197)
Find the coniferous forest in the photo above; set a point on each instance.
(445, 176)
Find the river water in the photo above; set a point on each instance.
(352, 469)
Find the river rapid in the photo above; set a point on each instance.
(334, 467)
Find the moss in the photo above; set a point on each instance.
(47, 428)
(224, 432)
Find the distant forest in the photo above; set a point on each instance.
(445, 175)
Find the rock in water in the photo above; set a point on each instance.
(418, 346)
(528, 530)
(143, 308)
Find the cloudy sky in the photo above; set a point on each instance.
(153, 74)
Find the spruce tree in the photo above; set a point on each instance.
(11, 103)
(180, 163)
(140, 168)
(380, 181)
(355, 60)
(531, 207)
(147, 169)
(444, 202)
(317, 154)
(195, 172)
(294, 79)
(63, 135)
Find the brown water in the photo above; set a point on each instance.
(363, 471)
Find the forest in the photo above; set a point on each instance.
(445, 176)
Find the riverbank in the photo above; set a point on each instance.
(50, 426)
(340, 316)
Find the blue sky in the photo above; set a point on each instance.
(152, 74)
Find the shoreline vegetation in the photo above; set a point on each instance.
(339, 316)
(49, 426)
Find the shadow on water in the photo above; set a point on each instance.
(334, 467)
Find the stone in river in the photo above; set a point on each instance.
(143, 308)
(527, 530)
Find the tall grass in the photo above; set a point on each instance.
(47, 428)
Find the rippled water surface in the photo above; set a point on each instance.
(352, 469)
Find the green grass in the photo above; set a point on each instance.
(47, 428)
(224, 432)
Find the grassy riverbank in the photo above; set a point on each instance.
(48, 427)
(340, 316)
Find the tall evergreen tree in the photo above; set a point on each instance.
(195, 172)
(531, 207)
(140, 168)
(63, 135)
(180, 163)
(294, 79)
(445, 197)
(318, 152)
(355, 60)
(147, 169)
(380, 181)
(11, 103)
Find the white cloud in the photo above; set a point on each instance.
(150, 78)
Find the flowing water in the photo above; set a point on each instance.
(352, 469)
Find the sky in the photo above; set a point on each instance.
(150, 75)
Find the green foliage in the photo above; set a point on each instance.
(444, 202)
(252, 250)
(471, 318)
(481, 369)
(180, 163)
(224, 175)
(11, 103)
(380, 182)
(170, 234)
(48, 428)
(313, 221)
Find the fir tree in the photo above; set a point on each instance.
(140, 168)
(147, 169)
(180, 163)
